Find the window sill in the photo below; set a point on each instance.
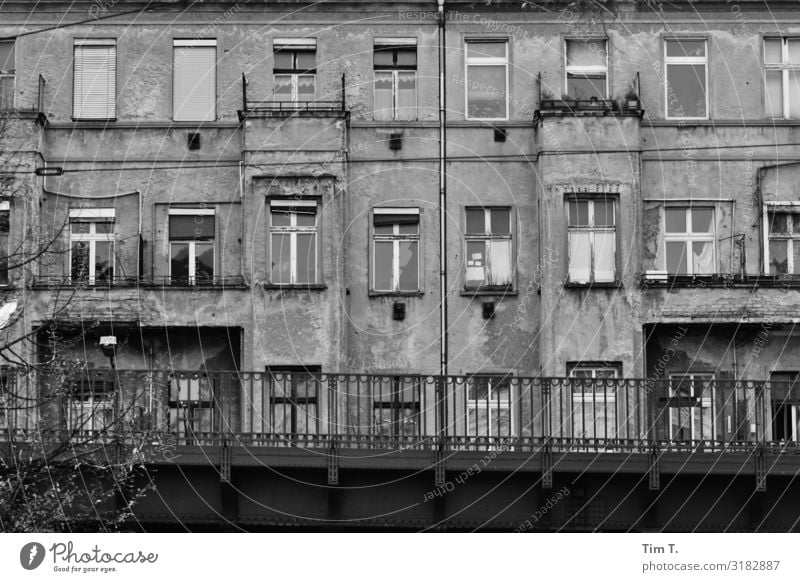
(747, 281)
(489, 292)
(396, 294)
(594, 285)
(302, 287)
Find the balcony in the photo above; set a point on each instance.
(8, 90)
(405, 413)
(126, 282)
(283, 108)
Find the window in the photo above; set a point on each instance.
(487, 79)
(592, 240)
(693, 414)
(782, 77)
(94, 79)
(689, 240)
(294, 404)
(783, 393)
(594, 399)
(295, 69)
(191, 405)
(5, 395)
(395, 62)
(90, 405)
(396, 406)
(7, 58)
(489, 406)
(5, 222)
(686, 78)
(587, 69)
(191, 245)
(395, 250)
(91, 238)
(194, 80)
(488, 252)
(783, 250)
(293, 240)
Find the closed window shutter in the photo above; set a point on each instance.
(191, 227)
(195, 82)
(95, 82)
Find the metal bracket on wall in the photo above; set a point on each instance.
(438, 466)
(333, 464)
(761, 469)
(654, 471)
(225, 463)
(547, 465)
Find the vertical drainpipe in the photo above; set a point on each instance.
(442, 193)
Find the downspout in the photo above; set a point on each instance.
(442, 193)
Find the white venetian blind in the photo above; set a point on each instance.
(194, 80)
(94, 92)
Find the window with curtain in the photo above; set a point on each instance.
(488, 247)
(487, 79)
(591, 230)
(395, 63)
(94, 92)
(191, 245)
(689, 240)
(395, 250)
(782, 77)
(293, 242)
(295, 70)
(783, 232)
(91, 248)
(194, 77)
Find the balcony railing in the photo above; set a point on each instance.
(8, 90)
(274, 106)
(409, 412)
(56, 281)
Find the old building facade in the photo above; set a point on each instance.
(440, 227)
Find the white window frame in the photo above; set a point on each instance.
(293, 230)
(83, 414)
(591, 229)
(784, 67)
(599, 396)
(78, 113)
(487, 237)
(685, 61)
(706, 402)
(396, 238)
(490, 403)
(690, 237)
(93, 216)
(297, 45)
(587, 69)
(485, 61)
(192, 242)
(788, 208)
(396, 72)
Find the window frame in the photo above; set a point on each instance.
(676, 379)
(188, 412)
(5, 249)
(92, 407)
(293, 231)
(601, 394)
(398, 405)
(489, 236)
(92, 217)
(395, 238)
(489, 403)
(784, 67)
(784, 208)
(312, 375)
(394, 44)
(190, 43)
(592, 229)
(690, 237)
(589, 69)
(77, 106)
(686, 61)
(487, 61)
(192, 278)
(295, 46)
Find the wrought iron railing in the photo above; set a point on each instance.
(41, 282)
(308, 409)
(288, 106)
